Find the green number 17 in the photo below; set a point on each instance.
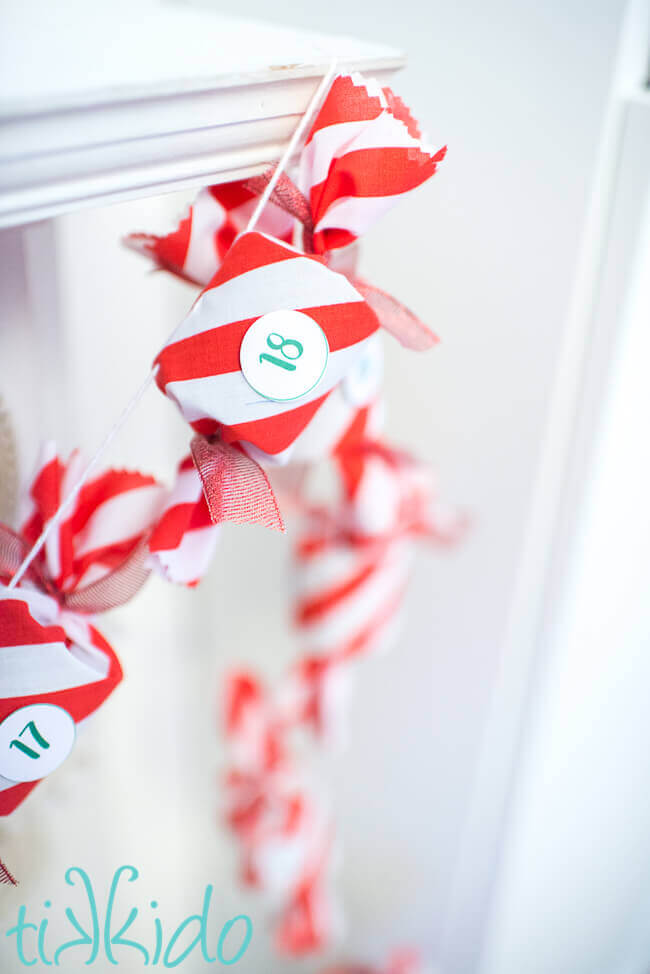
(38, 737)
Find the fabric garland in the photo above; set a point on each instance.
(276, 367)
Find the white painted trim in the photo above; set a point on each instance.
(59, 152)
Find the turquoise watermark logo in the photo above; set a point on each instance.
(92, 936)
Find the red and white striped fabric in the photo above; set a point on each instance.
(363, 153)
(390, 494)
(48, 655)
(259, 793)
(352, 564)
(196, 249)
(290, 842)
(199, 369)
(338, 423)
(310, 921)
(284, 838)
(183, 540)
(253, 726)
(347, 596)
(315, 694)
(106, 522)
(281, 824)
(360, 411)
(352, 412)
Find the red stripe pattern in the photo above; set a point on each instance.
(197, 247)
(199, 368)
(363, 153)
(389, 494)
(76, 664)
(352, 567)
(281, 825)
(107, 521)
(184, 539)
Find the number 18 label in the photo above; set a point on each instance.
(283, 355)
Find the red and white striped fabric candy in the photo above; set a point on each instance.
(352, 564)
(196, 249)
(315, 694)
(256, 791)
(364, 152)
(288, 858)
(183, 540)
(253, 725)
(347, 596)
(352, 411)
(290, 840)
(310, 921)
(107, 521)
(93, 560)
(200, 367)
(49, 656)
(282, 827)
(390, 494)
(284, 844)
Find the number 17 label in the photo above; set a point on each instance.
(34, 741)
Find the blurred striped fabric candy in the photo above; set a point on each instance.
(387, 493)
(281, 823)
(197, 247)
(347, 595)
(310, 921)
(352, 564)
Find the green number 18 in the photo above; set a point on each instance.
(282, 345)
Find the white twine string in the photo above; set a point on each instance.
(139, 394)
(291, 148)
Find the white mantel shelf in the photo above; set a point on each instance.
(162, 97)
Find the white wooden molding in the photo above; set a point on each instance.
(173, 97)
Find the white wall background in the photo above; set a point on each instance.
(487, 254)
(576, 856)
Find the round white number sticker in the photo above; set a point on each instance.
(34, 741)
(283, 355)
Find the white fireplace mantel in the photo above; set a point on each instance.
(178, 97)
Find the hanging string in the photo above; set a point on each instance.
(291, 148)
(139, 394)
(71, 497)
